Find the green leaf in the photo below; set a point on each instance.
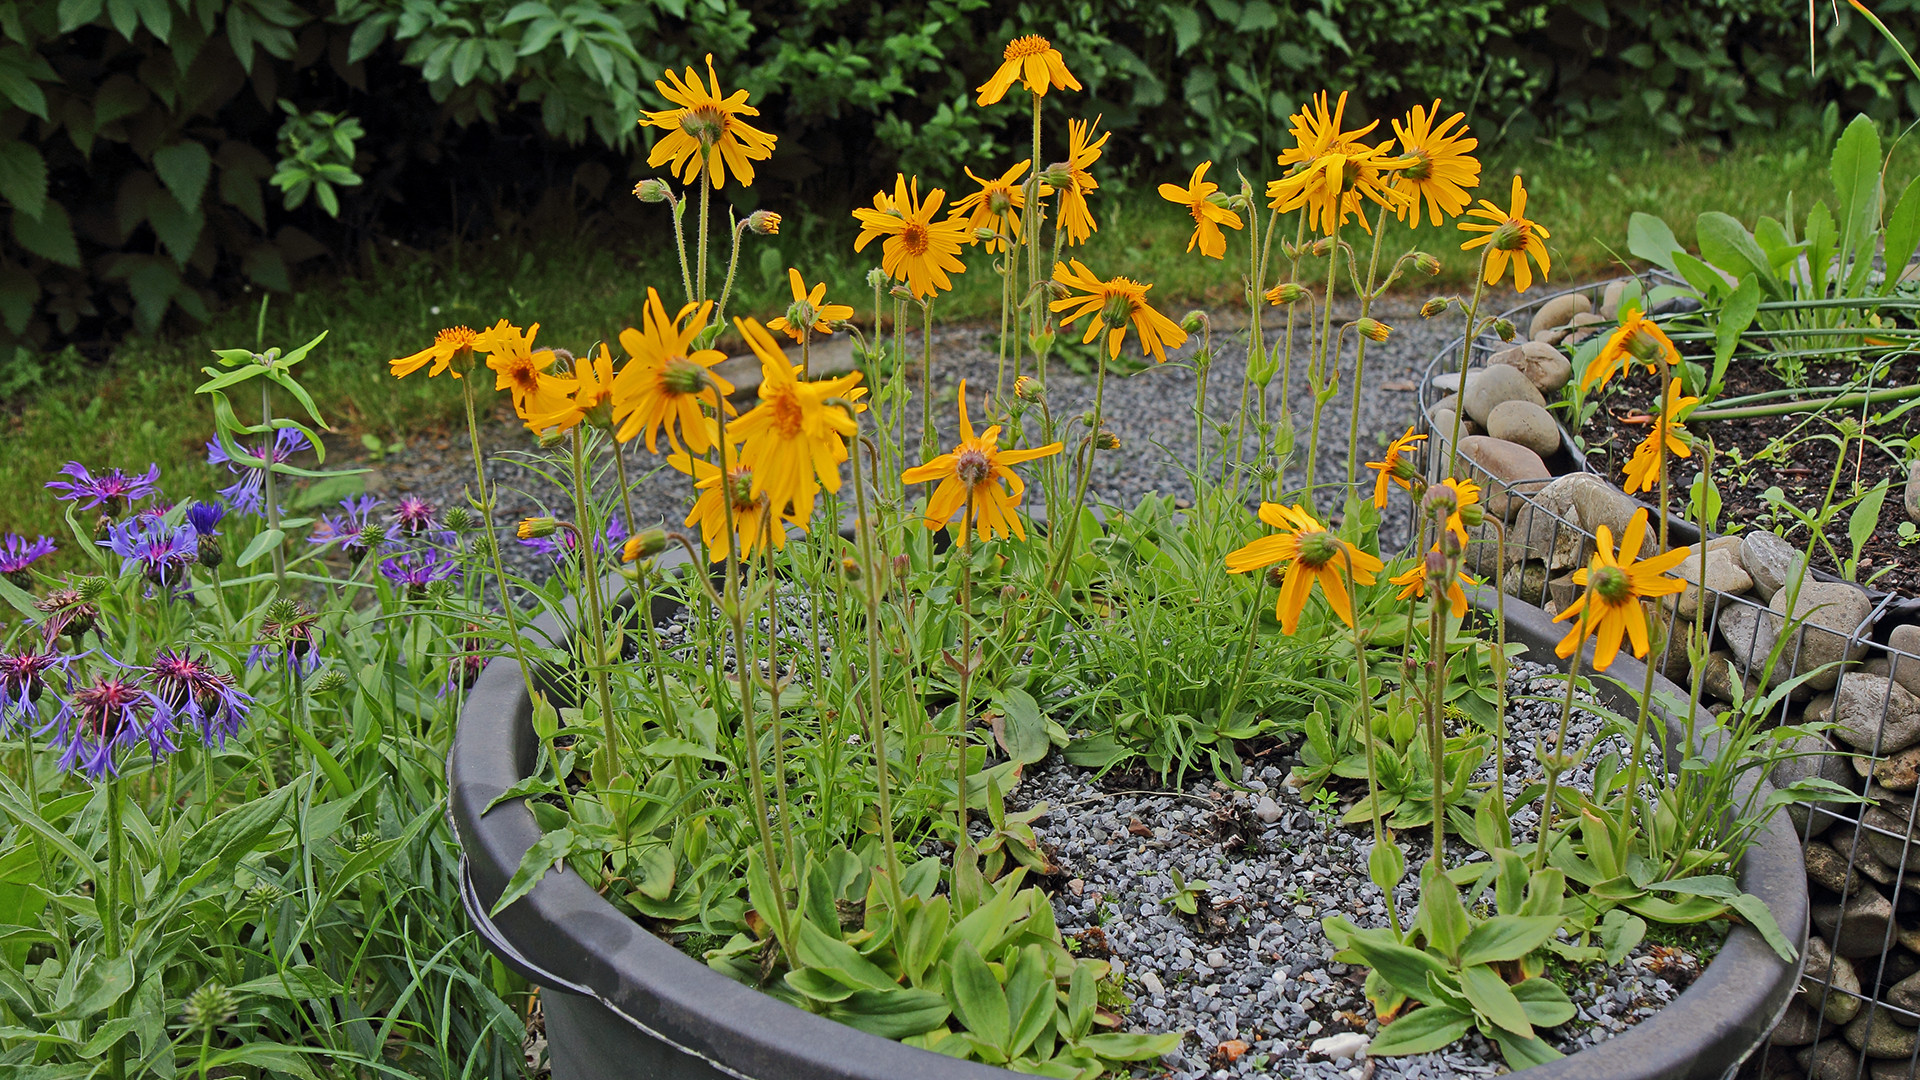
(898, 1013)
(299, 983)
(23, 177)
(1421, 1031)
(1186, 27)
(1405, 967)
(261, 544)
(1866, 516)
(1619, 933)
(977, 999)
(549, 851)
(1129, 1046)
(820, 950)
(1523, 1053)
(1760, 917)
(1902, 235)
(267, 1056)
(104, 982)
(1386, 865)
(1493, 999)
(1030, 998)
(1026, 739)
(1440, 909)
(185, 168)
(1855, 168)
(1545, 1003)
(49, 236)
(1725, 243)
(1652, 239)
(1734, 319)
(1507, 937)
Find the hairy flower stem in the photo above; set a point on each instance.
(1436, 717)
(1324, 358)
(782, 807)
(873, 578)
(963, 852)
(1499, 665)
(1006, 312)
(607, 763)
(1363, 706)
(756, 777)
(733, 264)
(1544, 840)
(1031, 233)
(272, 495)
(483, 505)
(927, 441)
(700, 263)
(1202, 364)
(110, 914)
(1622, 835)
(1466, 360)
(1360, 344)
(1065, 554)
(676, 209)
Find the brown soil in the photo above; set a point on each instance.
(1789, 452)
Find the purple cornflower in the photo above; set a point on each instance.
(68, 611)
(111, 713)
(186, 686)
(414, 515)
(114, 489)
(288, 635)
(17, 553)
(23, 678)
(248, 495)
(204, 519)
(354, 529)
(162, 551)
(612, 538)
(418, 569)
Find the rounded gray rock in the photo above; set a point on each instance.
(1833, 611)
(1546, 367)
(1769, 560)
(1558, 312)
(1499, 465)
(1525, 423)
(1495, 385)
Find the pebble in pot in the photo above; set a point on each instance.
(1833, 611)
(1499, 464)
(1558, 312)
(1525, 423)
(1913, 491)
(1546, 367)
(1498, 384)
(1906, 669)
(1769, 560)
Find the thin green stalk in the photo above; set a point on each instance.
(733, 264)
(782, 807)
(483, 504)
(1364, 709)
(607, 764)
(875, 575)
(1785, 408)
(1323, 356)
(675, 209)
(272, 493)
(1544, 840)
(926, 379)
(1202, 363)
(1646, 684)
(1466, 358)
(1360, 345)
(110, 915)
(964, 851)
(1065, 554)
(700, 266)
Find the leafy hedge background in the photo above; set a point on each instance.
(157, 156)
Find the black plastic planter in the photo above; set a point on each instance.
(620, 1002)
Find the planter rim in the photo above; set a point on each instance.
(564, 936)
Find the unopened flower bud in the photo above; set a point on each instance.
(330, 681)
(850, 568)
(1504, 329)
(644, 544)
(1276, 575)
(1106, 440)
(876, 277)
(1028, 388)
(1434, 306)
(1450, 544)
(1472, 514)
(1286, 292)
(1435, 564)
(1373, 329)
(1440, 502)
(764, 222)
(537, 528)
(211, 554)
(1058, 175)
(901, 564)
(459, 518)
(985, 235)
(901, 292)
(208, 1008)
(1321, 248)
(1192, 321)
(651, 190)
(1426, 264)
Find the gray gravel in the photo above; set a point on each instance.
(1258, 969)
(1151, 410)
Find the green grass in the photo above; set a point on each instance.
(566, 276)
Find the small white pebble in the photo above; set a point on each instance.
(1152, 982)
(1347, 1044)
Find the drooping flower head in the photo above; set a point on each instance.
(354, 528)
(667, 381)
(70, 612)
(290, 635)
(1415, 580)
(979, 469)
(415, 570)
(23, 680)
(1393, 467)
(161, 552)
(1082, 151)
(1441, 166)
(919, 249)
(1610, 607)
(586, 395)
(1115, 304)
(447, 344)
(749, 511)
(517, 366)
(1452, 502)
(1311, 553)
(997, 205)
(809, 310)
(248, 494)
(18, 554)
(794, 441)
(562, 543)
(1643, 470)
(111, 714)
(1208, 216)
(1639, 340)
(1038, 66)
(705, 132)
(413, 515)
(1510, 237)
(115, 489)
(190, 688)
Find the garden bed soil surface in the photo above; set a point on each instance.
(1755, 454)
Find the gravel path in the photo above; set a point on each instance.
(1255, 968)
(1151, 410)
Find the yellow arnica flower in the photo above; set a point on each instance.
(1643, 470)
(1332, 185)
(1311, 553)
(1316, 131)
(1036, 63)
(1197, 197)
(997, 205)
(1390, 467)
(1638, 340)
(1439, 167)
(809, 308)
(665, 384)
(516, 366)
(445, 345)
(1465, 493)
(1511, 237)
(705, 133)
(1615, 585)
(1113, 304)
(1413, 584)
(919, 250)
(749, 510)
(585, 395)
(794, 442)
(1082, 151)
(980, 467)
